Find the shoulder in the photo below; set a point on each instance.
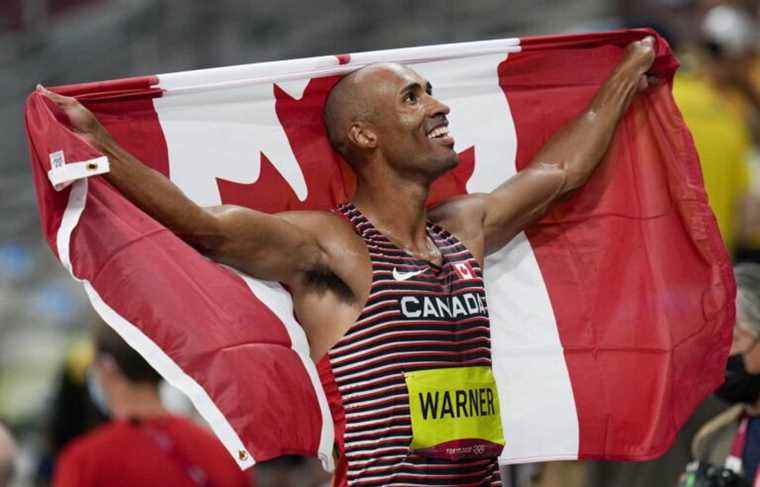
(331, 230)
(97, 438)
(189, 427)
(463, 217)
(321, 221)
(77, 465)
(197, 437)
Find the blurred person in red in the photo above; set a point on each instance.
(143, 444)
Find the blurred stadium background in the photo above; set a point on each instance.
(43, 314)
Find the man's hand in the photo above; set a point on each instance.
(638, 58)
(82, 120)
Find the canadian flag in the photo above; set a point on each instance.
(611, 318)
(464, 270)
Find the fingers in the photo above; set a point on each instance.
(46, 92)
(648, 41)
(58, 99)
(639, 56)
(81, 119)
(647, 45)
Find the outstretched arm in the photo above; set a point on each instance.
(272, 247)
(563, 164)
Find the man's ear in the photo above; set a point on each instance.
(362, 136)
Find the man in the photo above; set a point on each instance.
(143, 444)
(391, 296)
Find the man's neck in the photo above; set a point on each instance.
(138, 403)
(396, 206)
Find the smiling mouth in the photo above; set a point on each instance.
(438, 132)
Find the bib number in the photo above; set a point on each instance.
(455, 413)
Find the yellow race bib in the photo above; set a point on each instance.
(455, 413)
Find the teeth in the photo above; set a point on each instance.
(439, 132)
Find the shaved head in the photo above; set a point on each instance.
(346, 104)
(386, 112)
(353, 99)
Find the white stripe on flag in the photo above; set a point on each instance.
(535, 395)
(135, 338)
(213, 79)
(74, 209)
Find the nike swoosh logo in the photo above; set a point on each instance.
(403, 276)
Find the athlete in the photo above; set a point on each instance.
(390, 294)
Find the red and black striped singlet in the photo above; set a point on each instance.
(418, 316)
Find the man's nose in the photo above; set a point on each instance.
(439, 108)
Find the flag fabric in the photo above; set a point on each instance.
(610, 318)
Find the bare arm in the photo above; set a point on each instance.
(273, 247)
(563, 164)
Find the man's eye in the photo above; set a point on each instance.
(411, 98)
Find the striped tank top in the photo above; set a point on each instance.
(418, 316)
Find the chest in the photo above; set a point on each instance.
(410, 298)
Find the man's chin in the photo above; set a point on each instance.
(451, 161)
(444, 165)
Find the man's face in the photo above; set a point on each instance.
(411, 125)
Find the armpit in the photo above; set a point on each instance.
(321, 280)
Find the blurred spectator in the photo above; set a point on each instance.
(730, 38)
(72, 412)
(711, 92)
(732, 438)
(143, 444)
(8, 454)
